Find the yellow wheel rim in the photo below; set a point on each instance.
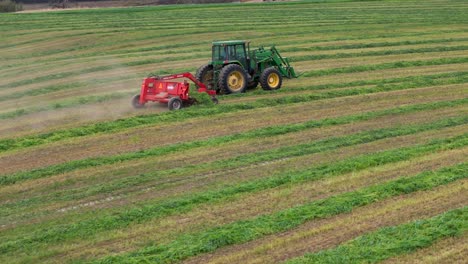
(235, 81)
(273, 80)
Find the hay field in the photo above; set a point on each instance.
(361, 159)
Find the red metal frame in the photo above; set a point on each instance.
(159, 89)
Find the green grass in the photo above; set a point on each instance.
(385, 66)
(393, 241)
(412, 81)
(145, 212)
(230, 163)
(121, 124)
(259, 133)
(54, 64)
(242, 231)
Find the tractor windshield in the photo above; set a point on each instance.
(237, 52)
(219, 53)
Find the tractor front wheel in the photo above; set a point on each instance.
(136, 102)
(271, 79)
(233, 79)
(175, 103)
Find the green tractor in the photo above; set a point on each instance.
(235, 68)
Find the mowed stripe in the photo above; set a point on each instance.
(89, 227)
(258, 133)
(375, 136)
(449, 250)
(69, 189)
(318, 235)
(230, 123)
(249, 206)
(395, 240)
(113, 101)
(246, 230)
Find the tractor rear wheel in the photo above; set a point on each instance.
(136, 102)
(271, 79)
(232, 79)
(175, 103)
(204, 74)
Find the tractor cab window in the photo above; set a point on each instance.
(231, 52)
(236, 52)
(219, 53)
(240, 52)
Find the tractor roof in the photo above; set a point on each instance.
(228, 42)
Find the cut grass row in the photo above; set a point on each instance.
(145, 198)
(68, 103)
(203, 52)
(80, 190)
(114, 126)
(77, 216)
(157, 53)
(448, 250)
(211, 126)
(242, 207)
(61, 87)
(384, 66)
(375, 53)
(376, 44)
(409, 81)
(179, 47)
(237, 23)
(105, 221)
(188, 245)
(75, 85)
(393, 241)
(52, 122)
(322, 234)
(168, 179)
(378, 31)
(257, 133)
(127, 64)
(298, 10)
(412, 81)
(66, 86)
(95, 75)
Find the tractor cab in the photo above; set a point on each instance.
(229, 52)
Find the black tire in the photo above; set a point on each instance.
(271, 79)
(136, 102)
(205, 75)
(175, 103)
(232, 79)
(252, 84)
